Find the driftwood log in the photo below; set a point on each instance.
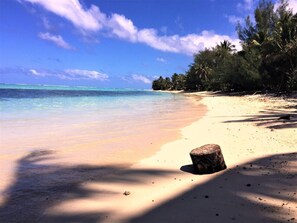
(208, 159)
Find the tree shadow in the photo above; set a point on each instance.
(280, 117)
(39, 186)
(272, 94)
(242, 194)
(272, 118)
(263, 191)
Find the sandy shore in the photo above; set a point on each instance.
(259, 184)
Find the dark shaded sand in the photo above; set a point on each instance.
(261, 191)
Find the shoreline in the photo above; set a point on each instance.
(243, 144)
(257, 186)
(89, 149)
(160, 191)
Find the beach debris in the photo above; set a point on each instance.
(208, 159)
(126, 193)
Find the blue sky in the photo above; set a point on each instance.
(110, 43)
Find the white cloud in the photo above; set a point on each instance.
(190, 44)
(292, 5)
(84, 74)
(72, 10)
(141, 78)
(57, 39)
(178, 23)
(246, 5)
(34, 72)
(235, 19)
(123, 28)
(46, 23)
(161, 60)
(72, 74)
(37, 73)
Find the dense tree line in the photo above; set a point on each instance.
(267, 61)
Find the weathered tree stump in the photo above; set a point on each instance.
(208, 159)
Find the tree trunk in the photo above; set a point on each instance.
(208, 159)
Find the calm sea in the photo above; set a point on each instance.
(93, 123)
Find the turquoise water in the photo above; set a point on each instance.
(104, 121)
(28, 101)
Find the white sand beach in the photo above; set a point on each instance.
(259, 184)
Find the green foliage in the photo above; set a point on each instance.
(239, 73)
(162, 84)
(178, 81)
(193, 81)
(268, 60)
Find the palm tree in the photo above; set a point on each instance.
(223, 50)
(227, 46)
(280, 51)
(203, 71)
(178, 81)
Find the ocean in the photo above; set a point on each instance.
(89, 125)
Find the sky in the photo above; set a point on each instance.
(111, 43)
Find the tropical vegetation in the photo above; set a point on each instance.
(267, 61)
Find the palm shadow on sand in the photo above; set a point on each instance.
(238, 195)
(40, 186)
(242, 194)
(284, 117)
